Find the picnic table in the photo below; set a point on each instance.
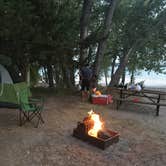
(149, 97)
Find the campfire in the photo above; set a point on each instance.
(92, 129)
(94, 123)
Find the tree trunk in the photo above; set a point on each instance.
(106, 76)
(113, 66)
(46, 75)
(132, 80)
(72, 76)
(43, 75)
(84, 22)
(68, 79)
(28, 75)
(65, 78)
(58, 74)
(50, 75)
(123, 62)
(106, 32)
(123, 76)
(90, 51)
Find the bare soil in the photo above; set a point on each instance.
(142, 136)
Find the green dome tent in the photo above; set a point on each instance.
(9, 91)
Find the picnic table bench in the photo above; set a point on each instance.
(151, 97)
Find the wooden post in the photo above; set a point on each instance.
(158, 106)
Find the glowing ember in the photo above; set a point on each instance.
(97, 124)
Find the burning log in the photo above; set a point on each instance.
(93, 131)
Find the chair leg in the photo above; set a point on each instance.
(28, 116)
(38, 114)
(40, 117)
(157, 110)
(23, 117)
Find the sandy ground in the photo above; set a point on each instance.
(142, 136)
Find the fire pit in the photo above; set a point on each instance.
(92, 130)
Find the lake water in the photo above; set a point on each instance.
(151, 79)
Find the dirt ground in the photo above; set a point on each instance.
(142, 136)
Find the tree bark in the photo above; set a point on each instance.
(106, 76)
(46, 75)
(84, 22)
(68, 79)
(123, 76)
(28, 79)
(113, 66)
(132, 77)
(50, 75)
(72, 76)
(106, 31)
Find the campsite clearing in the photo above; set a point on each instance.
(142, 136)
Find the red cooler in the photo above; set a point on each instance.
(101, 99)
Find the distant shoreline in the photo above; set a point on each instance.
(159, 88)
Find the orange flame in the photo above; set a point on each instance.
(97, 124)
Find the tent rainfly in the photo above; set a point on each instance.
(9, 91)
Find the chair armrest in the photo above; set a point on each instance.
(36, 99)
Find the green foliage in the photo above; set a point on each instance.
(5, 60)
(47, 32)
(41, 32)
(140, 23)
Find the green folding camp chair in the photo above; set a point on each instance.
(30, 109)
